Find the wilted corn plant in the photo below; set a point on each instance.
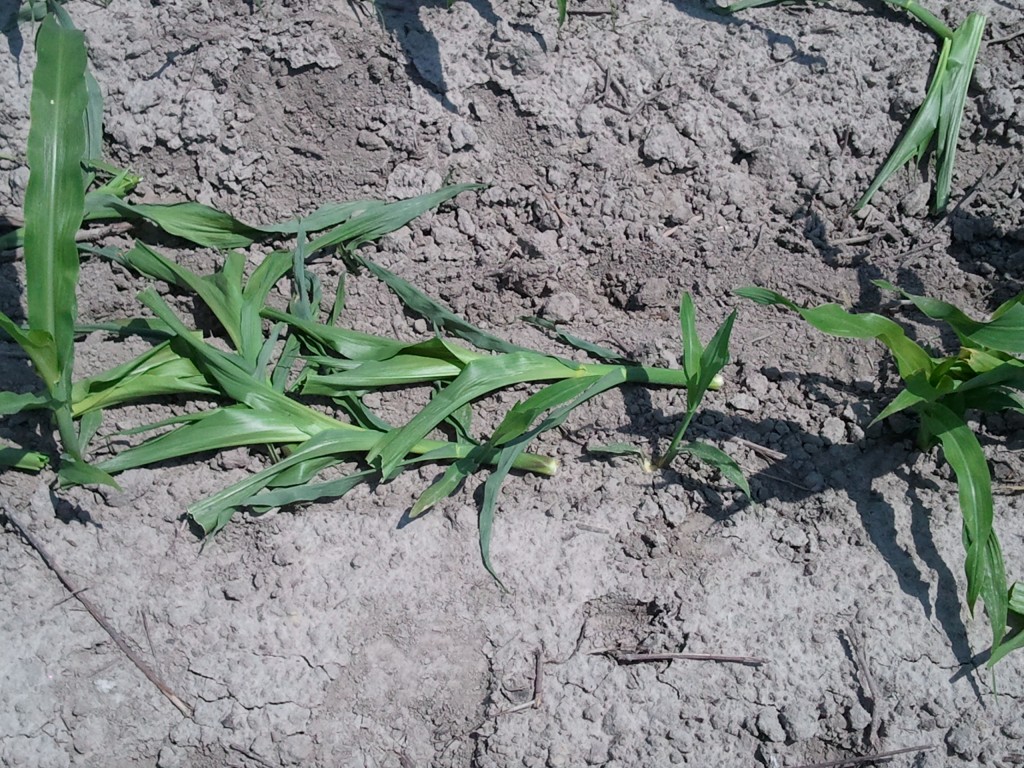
(986, 374)
(937, 121)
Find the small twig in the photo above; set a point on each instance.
(99, 618)
(558, 212)
(538, 677)
(767, 453)
(250, 755)
(1008, 38)
(868, 758)
(98, 233)
(855, 240)
(757, 448)
(87, 235)
(538, 692)
(867, 683)
(623, 657)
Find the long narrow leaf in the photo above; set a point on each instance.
(477, 379)
(963, 53)
(986, 576)
(833, 319)
(54, 198)
(1004, 333)
(429, 309)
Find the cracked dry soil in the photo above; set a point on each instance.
(633, 155)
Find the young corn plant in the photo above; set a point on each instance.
(60, 136)
(936, 124)
(343, 365)
(702, 368)
(985, 374)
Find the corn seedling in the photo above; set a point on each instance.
(701, 371)
(986, 374)
(254, 403)
(937, 121)
(60, 135)
(342, 365)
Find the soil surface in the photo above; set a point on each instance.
(642, 150)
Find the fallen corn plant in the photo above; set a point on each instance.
(985, 374)
(344, 365)
(936, 124)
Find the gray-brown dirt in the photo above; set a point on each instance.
(640, 151)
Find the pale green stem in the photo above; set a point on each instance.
(926, 17)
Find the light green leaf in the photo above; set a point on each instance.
(986, 576)
(13, 402)
(19, 458)
(834, 320)
(54, 198)
(1004, 333)
(720, 460)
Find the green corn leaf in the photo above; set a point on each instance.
(373, 219)
(986, 576)
(692, 348)
(1012, 643)
(195, 222)
(19, 458)
(514, 428)
(603, 354)
(992, 400)
(521, 416)
(563, 10)
(74, 471)
(834, 320)
(562, 398)
(342, 342)
(13, 402)
(159, 371)
(963, 53)
(477, 379)
(215, 430)
(309, 492)
(701, 365)
(1004, 333)
(720, 460)
(213, 513)
(399, 370)
(353, 223)
(712, 360)
(441, 317)
(743, 5)
(454, 475)
(41, 350)
(221, 291)
(54, 198)
(623, 449)
(907, 399)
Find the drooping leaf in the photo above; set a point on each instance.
(834, 320)
(1004, 333)
(720, 460)
(986, 576)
